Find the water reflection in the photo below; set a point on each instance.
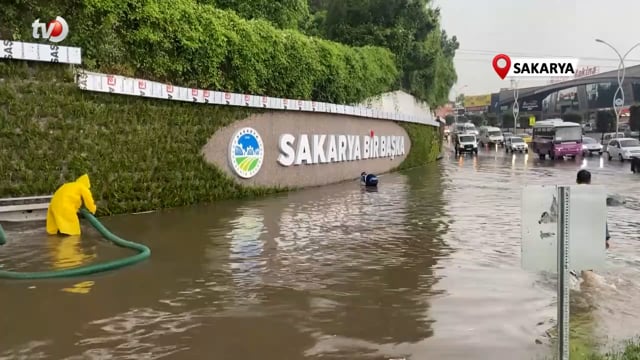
(246, 246)
(427, 267)
(66, 251)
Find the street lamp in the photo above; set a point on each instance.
(516, 107)
(617, 105)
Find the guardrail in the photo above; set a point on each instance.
(20, 209)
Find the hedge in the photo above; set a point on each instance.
(426, 145)
(197, 45)
(141, 154)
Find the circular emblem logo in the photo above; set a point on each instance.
(246, 152)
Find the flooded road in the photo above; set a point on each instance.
(428, 267)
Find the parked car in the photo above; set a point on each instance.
(466, 143)
(623, 148)
(590, 146)
(631, 133)
(515, 143)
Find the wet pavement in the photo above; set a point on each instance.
(427, 267)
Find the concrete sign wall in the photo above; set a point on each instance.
(306, 149)
(401, 102)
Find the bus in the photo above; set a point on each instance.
(557, 138)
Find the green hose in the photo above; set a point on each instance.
(3, 236)
(144, 253)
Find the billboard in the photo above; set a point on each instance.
(477, 100)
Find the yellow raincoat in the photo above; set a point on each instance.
(62, 215)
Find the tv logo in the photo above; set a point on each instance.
(506, 66)
(55, 31)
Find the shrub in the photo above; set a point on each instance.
(196, 45)
(426, 145)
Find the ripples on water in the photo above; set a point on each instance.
(426, 267)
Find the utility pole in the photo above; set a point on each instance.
(618, 103)
(516, 107)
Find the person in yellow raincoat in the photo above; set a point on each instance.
(62, 215)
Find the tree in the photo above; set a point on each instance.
(572, 116)
(460, 99)
(523, 121)
(286, 14)
(409, 28)
(450, 119)
(507, 120)
(492, 120)
(477, 120)
(605, 120)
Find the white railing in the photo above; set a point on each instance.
(122, 85)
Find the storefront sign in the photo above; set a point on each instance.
(324, 149)
(530, 105)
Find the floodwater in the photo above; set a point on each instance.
(428, 267)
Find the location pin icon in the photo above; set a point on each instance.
(502, 71)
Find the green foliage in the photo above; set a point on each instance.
(605, 121)
(409, 28)
(141, 154)
(426, 145)
(449, 119)
(572, 116)
(285, 14)
(523, 121)
(492, 120)
(193, 44)
(507, 120)
(634, 117)
(477, 120)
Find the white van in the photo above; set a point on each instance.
(469, 128)
(491, 135)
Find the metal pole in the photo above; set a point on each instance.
(617, 107)
(516, 108)
(563, 272)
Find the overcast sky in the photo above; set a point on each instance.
(536, 28)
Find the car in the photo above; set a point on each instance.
(632, 133)
(466, 143)
(590, 146)
(515, 143)
(526, 138)
(623, 148)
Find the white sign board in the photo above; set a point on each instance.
(587, 227)
(18, 50)
(122, 85)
